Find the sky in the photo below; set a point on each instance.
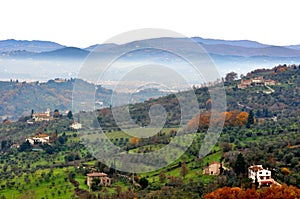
(84, 23)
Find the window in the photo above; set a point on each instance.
(260, 172)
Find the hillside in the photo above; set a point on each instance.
(59, 168)
(19, 98)
(284, 102)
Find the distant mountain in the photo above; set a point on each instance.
(241, 43)
(30, 46)
(296, 47)
(42, 60)
(272, 51)
(244, 48)
(67, 52)
(102, 46)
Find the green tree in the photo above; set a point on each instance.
(63, 138)
(230, 76)
(56, 113)
(96, 186)
(25, 146)
(143, 182)
(70, 115)
(240, 165)
(3, 144)
(31, 115)
(250, 118)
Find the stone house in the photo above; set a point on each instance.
(213, 169)
(104, 180)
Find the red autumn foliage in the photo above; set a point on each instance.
(231, 118)
(134, 140)
(274, 192)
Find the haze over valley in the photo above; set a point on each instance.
(42, 60)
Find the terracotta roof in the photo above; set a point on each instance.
(214, 162)
(40, 115)
(256, 168)
(97, 174)
(42, 135)
(246, 81)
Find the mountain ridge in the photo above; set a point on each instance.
(63, 61)
(220, 47)
(27, 45)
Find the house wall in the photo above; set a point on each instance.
(105, 181)
(261, 175)
(212, 169)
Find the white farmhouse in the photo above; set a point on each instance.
(39, 139)
(262, 175)
(76, 126)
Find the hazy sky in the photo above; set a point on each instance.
(83, 23)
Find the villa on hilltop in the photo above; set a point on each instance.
(257, 81)
(37, 117)
(60, 80)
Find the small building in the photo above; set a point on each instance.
(59, 80)
(245, 83)
(262, 175)
(30, 121)
(15, 146)
(76, 126)
(270, 82)
(37, 117)
(242, 86)
(213, 169)
(258, 80)
(39, 139)
(104, 180)
(99, 105)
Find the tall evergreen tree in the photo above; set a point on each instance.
(70, 115)
(240, 165)
(250, 119)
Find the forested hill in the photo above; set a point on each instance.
(19, 98)
(278, 95)
(281, 99)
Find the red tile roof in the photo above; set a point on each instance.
(256, 168)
